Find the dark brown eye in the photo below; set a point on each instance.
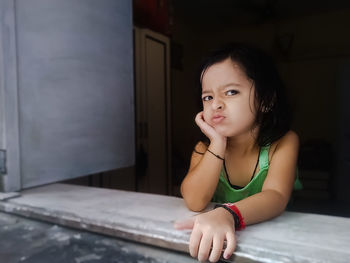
(207, 98)
(231, 92)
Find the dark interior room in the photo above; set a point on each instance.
(310, 45)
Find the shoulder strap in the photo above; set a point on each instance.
(264, 157)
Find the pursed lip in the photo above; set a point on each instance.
(217, 118)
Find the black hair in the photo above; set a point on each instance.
(273, 115)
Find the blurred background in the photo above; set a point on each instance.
(310, 43)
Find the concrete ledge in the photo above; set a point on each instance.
(147, 218)
(4, 196)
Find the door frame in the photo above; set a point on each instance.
(9, 141)
(140, 34)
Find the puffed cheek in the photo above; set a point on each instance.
(206, 116)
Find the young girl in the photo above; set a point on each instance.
(249, 164)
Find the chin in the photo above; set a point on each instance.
(228, 132)
(223, 132)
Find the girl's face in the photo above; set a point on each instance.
(228, 99)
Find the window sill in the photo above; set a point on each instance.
(148, 219)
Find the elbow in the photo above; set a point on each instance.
(192, 202)
(280, 211)
(281, 202)
(195, 206)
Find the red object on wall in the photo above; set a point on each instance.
(153, 14)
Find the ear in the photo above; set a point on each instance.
(267, 108)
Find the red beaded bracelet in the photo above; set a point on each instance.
(238, 213)
(239, 222)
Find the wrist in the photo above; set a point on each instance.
(218, 147)
(236, 214)
(226, 214)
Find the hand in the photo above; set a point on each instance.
(208, 130)
(210, 229)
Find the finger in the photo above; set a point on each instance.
(184, 224)
(231, 245)
(204, 247)
(195, 239)
(203, 125)
(199, 118)
(199, 114)
(218, 242)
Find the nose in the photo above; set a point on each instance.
(217, 104)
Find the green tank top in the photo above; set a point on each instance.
(225, 193)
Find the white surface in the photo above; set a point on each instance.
(4, 196)
(292, 237)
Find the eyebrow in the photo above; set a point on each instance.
(224, 86)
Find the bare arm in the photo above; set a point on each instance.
(278, 185)
(210, 229)
(202, 178)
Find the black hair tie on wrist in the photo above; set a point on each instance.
(216, 155)
(235, 216)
